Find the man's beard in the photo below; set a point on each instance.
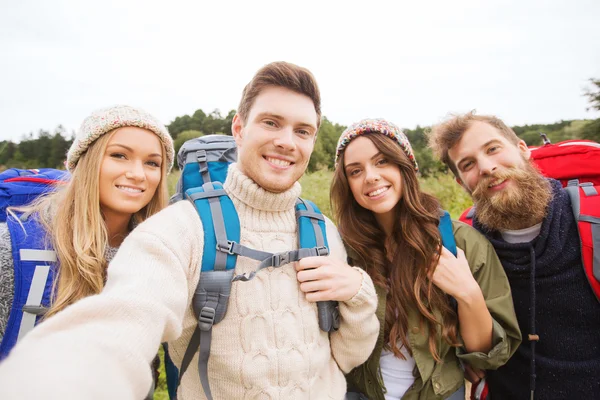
(521, 205)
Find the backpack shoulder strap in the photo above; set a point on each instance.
(34, 272)
(221, 227)
(585, 202)
(447, 232)
(312, 234)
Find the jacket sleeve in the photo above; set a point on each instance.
(490, 275)
(101, 346)
(353, 342)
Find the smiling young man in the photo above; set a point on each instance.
(269, 344)
(529, 221)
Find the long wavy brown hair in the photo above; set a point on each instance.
(405, 267)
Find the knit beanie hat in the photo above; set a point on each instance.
(105, 120)
(376, 125)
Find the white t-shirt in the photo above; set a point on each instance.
(397, 373)
(522, 235)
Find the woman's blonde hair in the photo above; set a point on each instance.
(76, 229)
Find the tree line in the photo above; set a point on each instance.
(49, 149)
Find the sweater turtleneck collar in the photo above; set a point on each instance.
(245, 190)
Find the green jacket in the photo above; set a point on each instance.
(435, 380)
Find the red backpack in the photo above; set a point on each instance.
(576, 164)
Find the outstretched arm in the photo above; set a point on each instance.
(101, 347)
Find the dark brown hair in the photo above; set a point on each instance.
(444, 136)
(405, 273)
(281, 74)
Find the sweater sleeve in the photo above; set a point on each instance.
(7, 277)
(354, 341)
(101, 347)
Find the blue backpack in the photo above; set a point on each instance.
(32, 261)
(204, 163)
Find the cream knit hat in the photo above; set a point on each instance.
(107, 119)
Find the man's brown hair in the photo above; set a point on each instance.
(280, 74)
(444, 136)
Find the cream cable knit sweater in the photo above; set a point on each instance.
(269, 345)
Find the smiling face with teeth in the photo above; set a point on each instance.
(130, 172)
(375, 182)
(275, 143)
(482, 153)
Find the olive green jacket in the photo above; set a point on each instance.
(435, 380)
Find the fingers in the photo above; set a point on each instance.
(314, 286)
(323, 295)
(311, 274)
(312, 262)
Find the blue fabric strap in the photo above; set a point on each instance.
(447, 233)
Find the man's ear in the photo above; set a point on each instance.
(237, 130)
(524, 149)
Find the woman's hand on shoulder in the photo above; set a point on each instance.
(454, 277)
(327, 278)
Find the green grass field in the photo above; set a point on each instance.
(315, 187)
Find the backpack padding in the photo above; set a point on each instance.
(585, 202)
(33, 278)
(220, 223)
(19, 187)
(312, 230)
(202, 160)
(571, 159)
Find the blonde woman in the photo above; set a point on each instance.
(118, 162)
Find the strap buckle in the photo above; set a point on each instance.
(201, 156)
(225, 247)
(280, 259)
(322, 251)
(206, 319)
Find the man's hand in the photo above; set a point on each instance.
(327, 278)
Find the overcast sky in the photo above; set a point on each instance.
(410, 62)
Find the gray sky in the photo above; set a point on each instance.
(410, 62)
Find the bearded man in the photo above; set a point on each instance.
(528, 219)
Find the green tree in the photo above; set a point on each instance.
(58, 148)
(197, 121)
(7, 152)
(179, 125)
(214, 123)
(184, 137)
(228, 121)
(593, 94)
(591, 130)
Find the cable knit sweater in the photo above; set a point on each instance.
(268, 346)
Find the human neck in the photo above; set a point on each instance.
(117, 227)
(244, 189)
